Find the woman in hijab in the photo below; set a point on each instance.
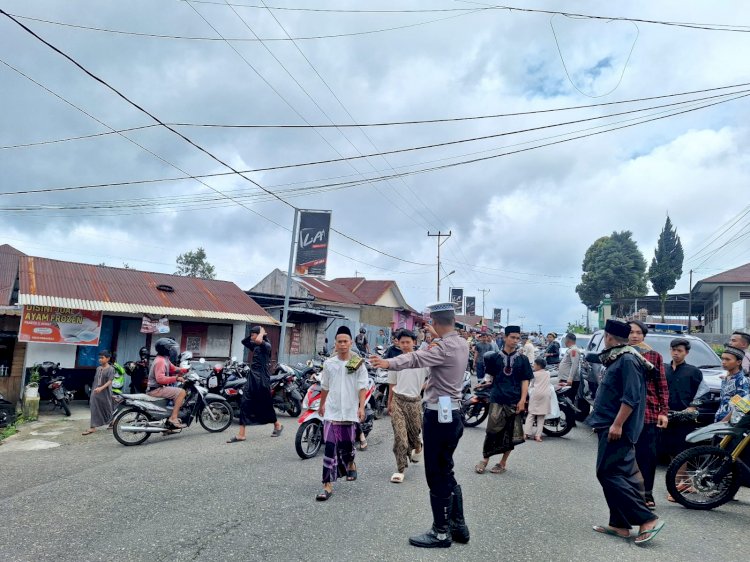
(256, 407)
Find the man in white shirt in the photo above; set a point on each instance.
(528, 348)
(404, 406)
(343, 384)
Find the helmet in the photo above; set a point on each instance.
(167, 347)
(143, 352)
(362, 331)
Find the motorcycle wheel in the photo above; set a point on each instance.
(474, 414)
(65, 407)
(220, 409)
(560, 426)
(295, 409)
(130, 417)
(689, 478)
(309, 439)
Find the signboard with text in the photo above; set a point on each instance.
(471, 306)
(497, 315)
(312, 243)
(457, 298)
(53, 324)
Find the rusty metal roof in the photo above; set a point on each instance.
(50, 282)
(329, 291)
(9, 258)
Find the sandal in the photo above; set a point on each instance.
(89, 431)
(236, 439)
(609, 531)
(481, 467)
(397, 478)
(650, 534)
(363, 445)
(277, 432)
(324, 495)
(497, 469)
(351, 474)
(175, 425)
(416, 457)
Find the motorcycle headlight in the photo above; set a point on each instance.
(736, 417)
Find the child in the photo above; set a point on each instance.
(539, 401)
(735, 382)
(101, 400)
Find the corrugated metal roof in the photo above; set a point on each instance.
(329, 291)
(9, 258)
(368, 291)
(49, 282)
(737, 275)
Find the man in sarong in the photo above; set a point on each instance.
(343, 384)
(405, 409)
(508, 372)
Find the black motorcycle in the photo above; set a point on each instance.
(475, 406)
(285, 391)
(139, 415)
(557, 427)
(52, 387)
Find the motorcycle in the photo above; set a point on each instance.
(140, 415)
(379, 400)
(309, 436)
(50, 381)
(559, 426)
(474, 407)
(7, 412)
(707, 476)
(285, 392)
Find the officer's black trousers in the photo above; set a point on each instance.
(440, 441)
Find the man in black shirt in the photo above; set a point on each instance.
(685, 383)
(509, 373)
(617, 419)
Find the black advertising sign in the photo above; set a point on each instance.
(457, 298)
(312, 244)
(471, 306)
(497, 315)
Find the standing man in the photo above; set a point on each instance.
(552, 351)
(342, 404)
(483, 345)
(735, 382)
(442, 424)
(509, 373)
(657, 408)
(741, 340)
(617, 420)
(405, 409)
(569, 372)
(363, 346)
(256, 407)
(528, 348)
(381, 339)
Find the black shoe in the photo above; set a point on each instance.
(439, 536)
(459, 529)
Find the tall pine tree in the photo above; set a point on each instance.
(666, 266)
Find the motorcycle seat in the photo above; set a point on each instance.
(143, 397)
(276, 378)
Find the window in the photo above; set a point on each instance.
(744, 295)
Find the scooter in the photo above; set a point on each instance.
(380, 395)
(707, 476)
(138, 416)
(285, 392)
(49, 380)
(474, 407)
(309, 438)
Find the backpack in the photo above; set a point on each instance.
(118, 381)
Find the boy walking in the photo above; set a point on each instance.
(405, 409)
(101, 401)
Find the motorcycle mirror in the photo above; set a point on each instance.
(592, 357)
(201, 360)
(234, 359)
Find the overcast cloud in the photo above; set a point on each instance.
(522, 222)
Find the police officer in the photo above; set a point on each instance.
(442, 426)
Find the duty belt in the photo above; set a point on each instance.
(455, 405)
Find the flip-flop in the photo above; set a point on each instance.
(650, 534)
(608, 531)
(481, 467)
(363, 445)
(397, 478)
(416, 457)
(88, 432)
(497, 469)
(351, 475)
(277, 432)
(234, 439)
(175, 425)
(324, 495)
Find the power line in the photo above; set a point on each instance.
(375, 124)
(186, 139)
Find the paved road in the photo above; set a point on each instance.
(193, 497)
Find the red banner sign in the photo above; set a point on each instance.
(53, 324)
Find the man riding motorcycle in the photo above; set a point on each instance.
(160, 376)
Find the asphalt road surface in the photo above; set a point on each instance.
(194, 497)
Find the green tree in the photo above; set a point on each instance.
(576, 328)
(612, 265)
(666, 266)
(195, 264)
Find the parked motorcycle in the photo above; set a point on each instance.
(707, 476)
(140, 415)
(379, 400)
(309, 436)
(285, 392)
(7, 412)
(52, 386)
(474, 407)
(557, 427)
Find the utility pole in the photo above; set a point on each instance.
(290, 270)
(690, 302)
(507, 316)
(440, 242)
(484, 292)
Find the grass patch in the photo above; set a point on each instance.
(11, 429)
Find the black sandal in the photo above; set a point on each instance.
(351, 475)
(324, 495)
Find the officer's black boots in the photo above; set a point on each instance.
(458, 527)
(440, 534)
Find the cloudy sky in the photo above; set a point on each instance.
(520, 223)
